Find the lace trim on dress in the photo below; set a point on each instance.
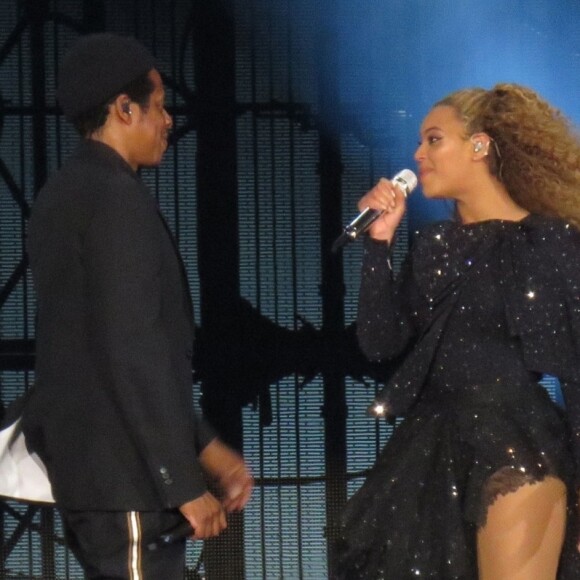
(503, 482)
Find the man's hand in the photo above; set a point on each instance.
(206, 516)
(230, 472)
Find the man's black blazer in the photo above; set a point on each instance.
(111, 412)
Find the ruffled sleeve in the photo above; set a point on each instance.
(569, 265)
(542, 273)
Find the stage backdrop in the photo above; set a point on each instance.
(285, 112)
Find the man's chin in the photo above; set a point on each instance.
(152, 163)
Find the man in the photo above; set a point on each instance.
(111, 414)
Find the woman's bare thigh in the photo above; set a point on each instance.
(524, 532)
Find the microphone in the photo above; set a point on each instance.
(405, 180)
(179, 532)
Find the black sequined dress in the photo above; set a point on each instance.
(478, 313)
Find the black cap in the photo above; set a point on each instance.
(96, 68)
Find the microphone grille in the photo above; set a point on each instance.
(406, 180)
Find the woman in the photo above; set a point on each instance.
(479, 479)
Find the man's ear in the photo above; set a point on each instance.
(122, 106)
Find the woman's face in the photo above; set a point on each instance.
(445, 155)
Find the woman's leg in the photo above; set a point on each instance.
(524, 533)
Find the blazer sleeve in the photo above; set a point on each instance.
(142, 340)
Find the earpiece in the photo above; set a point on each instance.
(126, 107)
(478, 146)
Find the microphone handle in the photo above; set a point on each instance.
(354, 229)
(179, 532)
(362, 222)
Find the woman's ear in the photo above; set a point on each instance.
(481, 143)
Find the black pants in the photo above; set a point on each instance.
(114, 545)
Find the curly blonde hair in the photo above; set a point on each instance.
(535, 151)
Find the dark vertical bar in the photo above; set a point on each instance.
(332, 286)
(94, 16)
(37, 12)
(3, 571)
(214, 53)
